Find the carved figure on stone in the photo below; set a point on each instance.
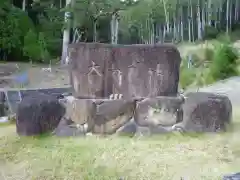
(94, 77)
(164, 111)
(133, 80)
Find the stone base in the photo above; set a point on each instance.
(198, 112)
(124, 117)
(163, 111)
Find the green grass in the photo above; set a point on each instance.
(94, 158)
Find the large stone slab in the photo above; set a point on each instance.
(88, 69)
(80, 111)
(98, 70)
(112, 114)
(38, 114)
(205, 112)
(145, 70)
(164, 111)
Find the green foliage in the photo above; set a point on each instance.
(208, 54)
(224, 63)
(10, 33)
(140, 21)
(14, 25)
(45, 56)
(52, 30)
(224, 38)
(35, 47)
(32, 48)
(187, 75)
(210, 32)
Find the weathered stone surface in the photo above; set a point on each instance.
(66, 128)
(164, 111)
(88, 64)
(205, 112)
(38, 114)
(98, 70)
(112, 114)
(145, 70)
(80, 111)
(129, 129)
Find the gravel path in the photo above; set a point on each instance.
(229, 87)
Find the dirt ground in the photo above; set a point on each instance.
(35, 76)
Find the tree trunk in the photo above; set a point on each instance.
(95, 30)
(24, 5)
(66, 35)
(181, 25)
(199, 22)
(192, 25)
(189, 23)
(166, 16)
(227, 17)
(114, 28)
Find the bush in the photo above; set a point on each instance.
(210, 32)
(14, 25)
(35, 47)
(45, 56)
(187, 75)
(224, 63)
(224, 38)
(208, 54)
(31, 47)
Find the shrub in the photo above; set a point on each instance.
(210, 32)
(224, 63)
(45, 56)
(31, 47)
(35, 47)
(208, 54)
(224, 38)
(187, 75)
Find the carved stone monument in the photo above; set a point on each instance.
(135, 71)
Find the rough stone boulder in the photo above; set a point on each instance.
(205, 112)
(112, 114)
(38, 114)
(159, 111)
(80, 111)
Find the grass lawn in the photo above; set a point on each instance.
(164, 157)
